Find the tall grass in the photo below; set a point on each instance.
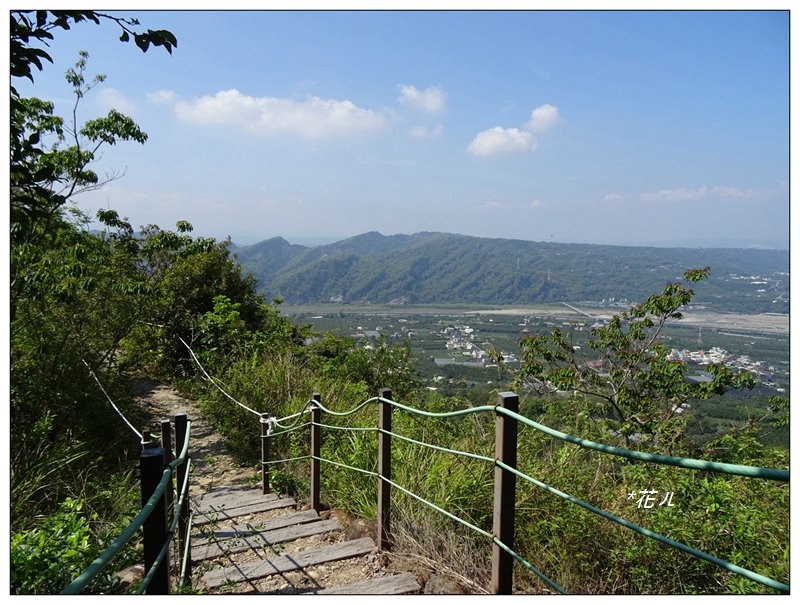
(741, 520)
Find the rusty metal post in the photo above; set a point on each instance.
(384, 470)
(147, 439)
(316, 450)
(154, 530)
(181, 428)
(505, 494)
(264, 453)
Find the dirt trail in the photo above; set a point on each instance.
(213, 466)
(212, 463)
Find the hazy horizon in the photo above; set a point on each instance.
(312, 241)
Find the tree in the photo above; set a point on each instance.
(44, 175)
(73, 294)
(633, 388)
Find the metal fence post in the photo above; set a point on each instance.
(384, 470)
(166, 443)
(151, 465)
(181, 427)
(505, 494)
(264, 453)
(147, 439)
(316, 449)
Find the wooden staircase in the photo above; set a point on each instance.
(246, 542)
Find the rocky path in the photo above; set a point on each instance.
(292, 565)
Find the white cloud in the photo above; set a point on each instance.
(676, 195)
(110, 98)
(734, 192)
(431, 100)
(612, 197)
(313, 118)
(718, 192)
(535, 204)
(543, 118)
(491, 205)
(426, 132)
(499, 140)
(161, 97)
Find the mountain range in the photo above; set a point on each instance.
(445, 268)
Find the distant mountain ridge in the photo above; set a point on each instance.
(445, 268)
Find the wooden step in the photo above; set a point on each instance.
(232, 497)
(244, 529)
(262, 540)
(291, 562)
(222, 513)
(405, 583)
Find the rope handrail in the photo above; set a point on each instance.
(290, 429)
(79, 583)
(437, 508)
(453, 414)
(691, 463)
(214, 382)
(113, 405)
(438, 447)
(104, 558)
(186, 546)
(348, 413)
(750, 575)
(530, 567)
(347, 466)
(498, 410)
(296, 414)
(306, 457)
(304, 410)
(707, 465)
(368, 429)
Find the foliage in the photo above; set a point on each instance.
(74, 295)
(48, 556)
(633, 388)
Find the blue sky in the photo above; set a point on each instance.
(634, 128)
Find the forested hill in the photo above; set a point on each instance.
(446, 268)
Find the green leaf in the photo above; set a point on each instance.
(142, 42)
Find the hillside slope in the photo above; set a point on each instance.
(447, 268)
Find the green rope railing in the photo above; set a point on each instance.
(91, 572)
(699, 554)
(349, 412)
(363, 429)
(690, 463)
(439, 448)
(453, 414)
(186, 546)
(97, 566)
(529, 566)
(687, 463)
(306, 457)
(347, 466)
(437, 508)
(290, 429)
